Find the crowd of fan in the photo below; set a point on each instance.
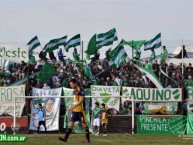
(126, 75)
(102, 74)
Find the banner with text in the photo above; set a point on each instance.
(161, 124)
(68, 102)
(8, 96)
(153, 94)
(51, 105)
(15, 53)
(109, 95)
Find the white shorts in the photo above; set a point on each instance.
(96, 122)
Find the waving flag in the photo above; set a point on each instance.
(54, 44)
(33, 43)
(106, 39)
(99, 40)
(153, 43)
(73, 42)
(117, 56)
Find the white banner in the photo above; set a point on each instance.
(108, 95)
(15, 53)
(51, 105)
(7, 98)
(153, 94)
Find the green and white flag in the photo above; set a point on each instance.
(151, 75)
(33, 43)
(117, 56)
(73, 42)
(99, 40)
(106, 39)
(54, 44)
(153, 43)
(5, 64)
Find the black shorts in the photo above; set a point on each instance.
(104, 124)
(42, 123)
(77, 116)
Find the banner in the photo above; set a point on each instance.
(51, 105)
(6, 124)
(153, 94)
(189, 93)
(108, 95)
(161, 108)
(190, 116)
(7, 100)
(16, 53)
(68, 101)
(161, 124)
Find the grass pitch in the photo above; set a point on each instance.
(111, 139)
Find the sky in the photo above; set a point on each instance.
(20, 20)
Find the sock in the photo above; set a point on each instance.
(38, 129)
(68, 132)
(94, 130)
(87, 133)
(98, 129)
(45, 130)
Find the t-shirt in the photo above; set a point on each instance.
(96, 112)
(78, 95)
(40, 113)
(104, 114)
(165, 52)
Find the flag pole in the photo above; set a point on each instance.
(28, 73)
(182, 77)
(132, 50)
(27, 88)
(82, 65)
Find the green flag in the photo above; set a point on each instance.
(73, 42)
(54, 44)
(46, 73)
(153, 43)
(107, 38)
(117, 56)
(33, 43)
(134, 44)
(91, 48)
(87, 72)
